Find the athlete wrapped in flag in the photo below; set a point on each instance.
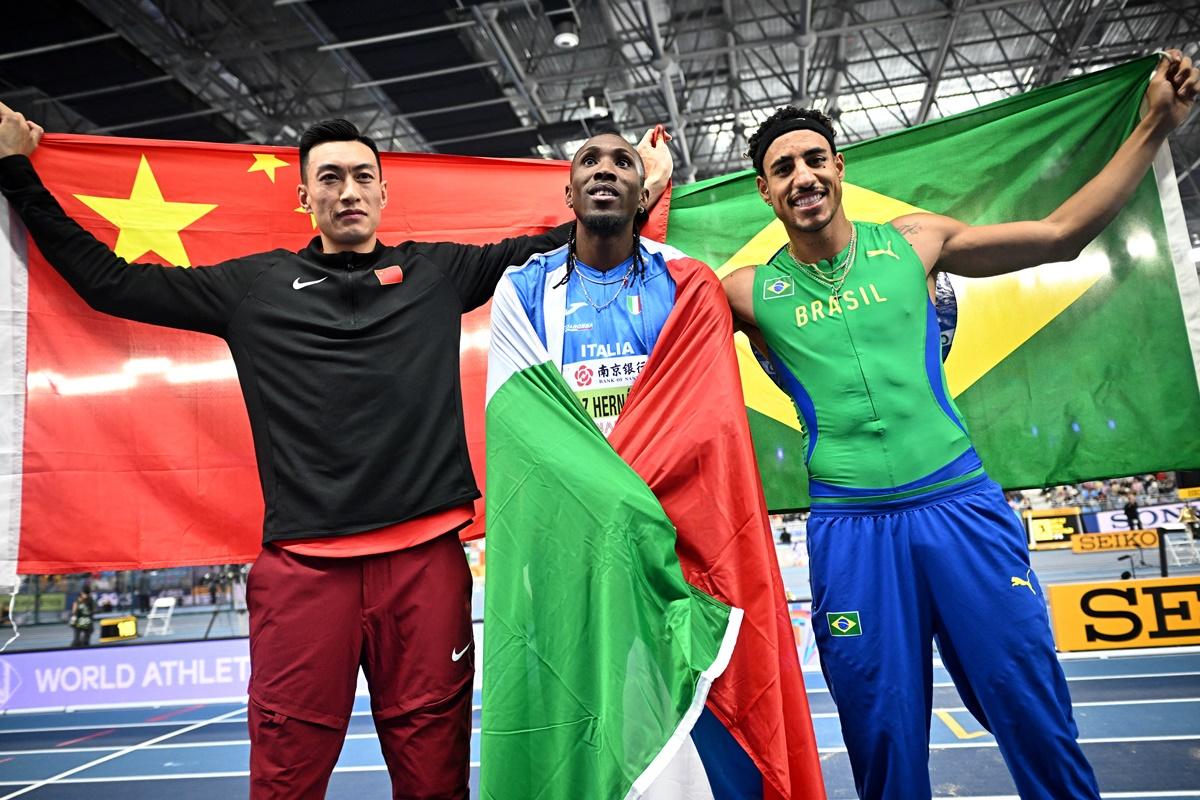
(909, 539)
(637, 642)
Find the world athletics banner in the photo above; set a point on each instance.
(1066, 372)
(159, 673)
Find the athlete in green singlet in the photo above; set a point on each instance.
(908, 539)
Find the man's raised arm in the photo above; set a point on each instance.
(193, 299)
(952, 246)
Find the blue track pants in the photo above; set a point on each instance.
(951, 566)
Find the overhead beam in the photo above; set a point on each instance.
(394, 37)
(50, 48)
(664, 65)
(939, 61)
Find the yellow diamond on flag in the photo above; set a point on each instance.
(995, 315)
(146, 222)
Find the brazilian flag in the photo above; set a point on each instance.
(1065, 372)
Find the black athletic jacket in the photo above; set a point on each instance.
(352, 386)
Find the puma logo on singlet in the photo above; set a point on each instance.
(1024, 582)
(850, 300)
(887, 252)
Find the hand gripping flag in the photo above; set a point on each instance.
(612, 570)
(1065, 372)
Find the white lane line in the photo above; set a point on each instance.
(992, 743)
(1098, 704)
(235, 721)
(1185, 795)
(116, 725)
(119, 753)
(1070, 679)
(195, 776)
(171, 746)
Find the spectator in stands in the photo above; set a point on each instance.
(1132, 512)
(1187, 515)
(143, 593)
(83, 613)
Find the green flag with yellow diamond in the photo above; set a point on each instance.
(1065, 372)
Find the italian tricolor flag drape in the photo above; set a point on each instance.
(632, 579)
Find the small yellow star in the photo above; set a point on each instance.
(267, 163)
(311, 216)
(145, 221)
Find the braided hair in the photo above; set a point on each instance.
(639, 266)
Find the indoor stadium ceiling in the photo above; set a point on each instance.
(489, 78)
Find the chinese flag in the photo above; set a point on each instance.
(127, 445)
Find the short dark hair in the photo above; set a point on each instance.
(781, 122)
(333, 130)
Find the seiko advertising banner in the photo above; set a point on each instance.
(1148, 517)
(1157, 612)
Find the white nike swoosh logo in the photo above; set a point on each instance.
(571, 309)
(455, 655)
(299, 284)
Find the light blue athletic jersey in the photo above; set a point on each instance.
(602, 351)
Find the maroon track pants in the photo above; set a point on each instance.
(405, 618)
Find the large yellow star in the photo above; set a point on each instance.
(311, 216)
(146, 222)
(267, 163)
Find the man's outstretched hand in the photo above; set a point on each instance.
(1171, 94)
(18, 136)
(656, 158)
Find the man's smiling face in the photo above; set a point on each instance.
(803, 180)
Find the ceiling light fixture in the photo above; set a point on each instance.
(566, 34)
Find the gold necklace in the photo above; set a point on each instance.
(836, 276)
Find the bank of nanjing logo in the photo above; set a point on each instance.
(844, 623)
(780, 287)
(10, 681)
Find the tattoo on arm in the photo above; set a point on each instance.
(908, 228)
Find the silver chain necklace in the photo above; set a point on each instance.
(836, 276)
(583, 282)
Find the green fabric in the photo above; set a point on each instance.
(1108, 387)
(860, 357)
(586, 711)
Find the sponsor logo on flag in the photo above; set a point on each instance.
(844, 623)
(780, 287)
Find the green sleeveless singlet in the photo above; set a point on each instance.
(865, 373)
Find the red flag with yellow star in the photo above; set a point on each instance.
(124, 445)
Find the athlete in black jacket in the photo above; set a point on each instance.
(348, 357)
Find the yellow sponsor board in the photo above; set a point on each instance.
(1115, 540)
(116, 629)
(1190, 493)
(1052, 528)
(1156, 612)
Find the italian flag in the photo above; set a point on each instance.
(632, 582)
